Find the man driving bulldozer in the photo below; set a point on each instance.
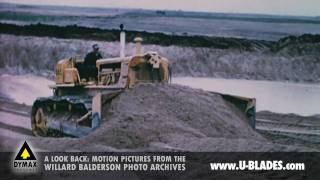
(90, 63)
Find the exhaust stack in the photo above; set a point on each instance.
(122, 41)
(138, 41)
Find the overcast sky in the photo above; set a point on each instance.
(281, 7)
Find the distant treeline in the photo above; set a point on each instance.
(77, 32)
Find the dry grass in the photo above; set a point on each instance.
(21, 54)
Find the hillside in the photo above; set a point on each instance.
(295, 61)
(87, 33)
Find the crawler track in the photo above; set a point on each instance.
(62, 109)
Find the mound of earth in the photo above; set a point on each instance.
(164, 117)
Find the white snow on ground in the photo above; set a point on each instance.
(24, 88)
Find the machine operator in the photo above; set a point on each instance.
(90, 63)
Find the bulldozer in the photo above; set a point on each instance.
(75, 107)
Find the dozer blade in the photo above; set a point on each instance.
(246, 105)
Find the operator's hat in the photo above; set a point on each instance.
(95, 47)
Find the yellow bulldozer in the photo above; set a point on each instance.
(75, 107)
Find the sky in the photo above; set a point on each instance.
(277, 7)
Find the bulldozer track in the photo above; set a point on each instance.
(285, 127)
(282, 130)
(59, 109)
(12, 111)
(263, 122)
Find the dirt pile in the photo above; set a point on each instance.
(172, 117)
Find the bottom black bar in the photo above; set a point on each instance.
(161, 165)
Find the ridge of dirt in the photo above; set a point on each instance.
(177, 117)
